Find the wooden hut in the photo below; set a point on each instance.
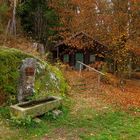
(79, 47)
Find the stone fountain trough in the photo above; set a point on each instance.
(35, 108)
(26, 90)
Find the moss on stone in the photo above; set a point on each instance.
(49, 79)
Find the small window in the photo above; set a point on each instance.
(92, 58)
(66, 58)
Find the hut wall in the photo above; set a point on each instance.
(72, 60)
(87, 57)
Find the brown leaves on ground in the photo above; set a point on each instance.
(85, 84)
(127, 97)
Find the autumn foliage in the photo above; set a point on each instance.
(115, 23)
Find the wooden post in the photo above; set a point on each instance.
(98, 72)
(80, 69)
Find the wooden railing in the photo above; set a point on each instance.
(93, 69)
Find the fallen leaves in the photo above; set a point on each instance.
(127, 98)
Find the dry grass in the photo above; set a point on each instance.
(20, 43)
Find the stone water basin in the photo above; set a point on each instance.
(35, 108)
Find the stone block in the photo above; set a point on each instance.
(35, 108)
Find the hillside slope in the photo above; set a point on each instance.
(20, 42)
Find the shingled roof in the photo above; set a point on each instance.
(82, 40)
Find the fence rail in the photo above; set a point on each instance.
(89, 68)
(98, 72)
